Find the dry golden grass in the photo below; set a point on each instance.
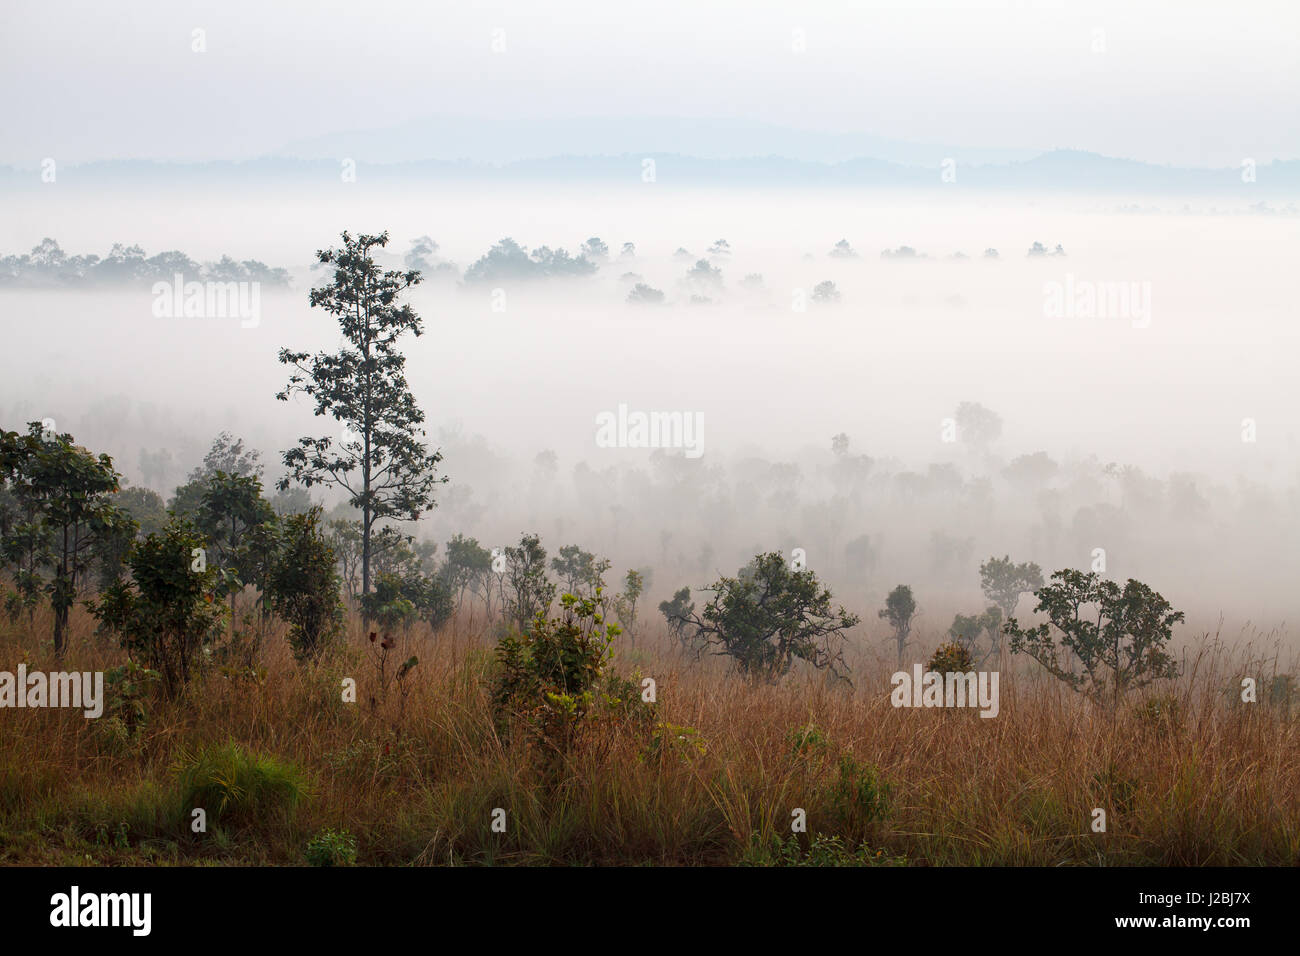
(1209, 781)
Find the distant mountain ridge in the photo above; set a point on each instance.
(504, 141)
(1059, 170)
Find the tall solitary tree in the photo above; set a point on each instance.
(377, 454)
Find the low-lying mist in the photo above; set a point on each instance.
(1167, 432)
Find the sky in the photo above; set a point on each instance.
(1164, 81)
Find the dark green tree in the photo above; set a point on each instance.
(579, 571)
(969, 630)
(304, 585)
(529, 591)
(166, 614)
(766, 618)
(466, 568)
(899, 609)
(377, 457)
(1117, 635)
(70, 492)
(231, 507)
(1003, 581)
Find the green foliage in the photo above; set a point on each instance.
(1117, 637)
(968, 631)
(387, 605)
(952, 658)
(66, 493)
(467, 567)
(430, 597)
(625, 603)
(620, 702)
(679, 613)
(547, 676)
(380, 460)
(529, 592)
(579, 571)
(237, 787)
(808, 741)
(859, 796)
(1003, 582)
(899, 609)
(304, 587)
(768, 617)
(332, 848)
(166, 615)
(129, 687)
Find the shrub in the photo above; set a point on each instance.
(387, 605)
(332, 848)
(621, 703)
(766, 618)
(808, 740)
(859, 796)
(547, 676)
(128, 687)
(305, 587)
(166, 615)
(951, 658)
(238, 787)
(431, 597)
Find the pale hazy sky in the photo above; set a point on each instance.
(1180, 81)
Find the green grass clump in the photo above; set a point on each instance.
(238, 788)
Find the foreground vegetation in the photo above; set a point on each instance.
(710, 773)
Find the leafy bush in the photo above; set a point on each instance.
(859, 796)
(620, 701)
(766, 618)
(808, 740)
(332, 848)
(547, 676)
(951, 658)
(128, 688)
(166, 616)
(431, 597)
(387, 605)
(304, 587)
